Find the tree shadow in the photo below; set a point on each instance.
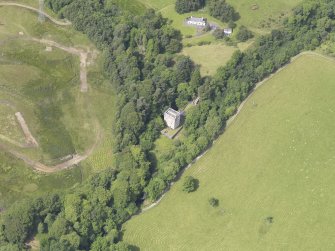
(196, 184)
(134, 248)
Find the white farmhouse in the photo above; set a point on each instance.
(197, 21)
(228, 31)
(172, 118)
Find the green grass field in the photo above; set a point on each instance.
(136, 7)
(209, 57)
(157, 4)
(264, 12)
(45, 87)
(275, 160)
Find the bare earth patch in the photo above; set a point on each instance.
(30, 140)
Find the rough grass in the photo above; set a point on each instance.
(264, 11)
(136, 7)
(275, 160)
(209, 57)
(15, 20)
(44, 86)
(17, 181)
(9, 126)
(157, 4)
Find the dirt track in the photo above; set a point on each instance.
(30, 140)
(38, 166)
(82, 55)
(62, 23)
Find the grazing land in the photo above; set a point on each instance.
(50, 75)
(272, 172)
(157, 4)
(209, 57)
(260, 14)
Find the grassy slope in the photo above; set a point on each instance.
(266, 9)
(157, 4)
(136, 7)
(217, 53)
(26, 65)
(209, 57)
(276, 159)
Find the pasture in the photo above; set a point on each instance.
(272, 172)
(157, 4)
(43, 83)
(209, 57)
(257, 12)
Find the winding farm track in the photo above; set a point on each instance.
(38, 166)
(83, 55)
(61, 23)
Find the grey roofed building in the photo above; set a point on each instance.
(172, 118)
(198, 21)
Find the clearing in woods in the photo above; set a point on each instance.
(54, 97)
(272, 172)
(259, 15)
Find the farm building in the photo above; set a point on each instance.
(228, 31)
(196, 21)
(172, 118)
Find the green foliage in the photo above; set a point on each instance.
(155, 188)
(184, 6)
(189, 184)
(213, 202)
(236, 171)
(243, 34)
(221, 10)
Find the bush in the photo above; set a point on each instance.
(190, 184)
(213, 202)
(243, 34)
(219, 34)
(222, 11)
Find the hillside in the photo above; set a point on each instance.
(51, 75)
(275, 160)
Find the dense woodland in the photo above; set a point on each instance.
(184, 6)
(141, 62)
(219, 9)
